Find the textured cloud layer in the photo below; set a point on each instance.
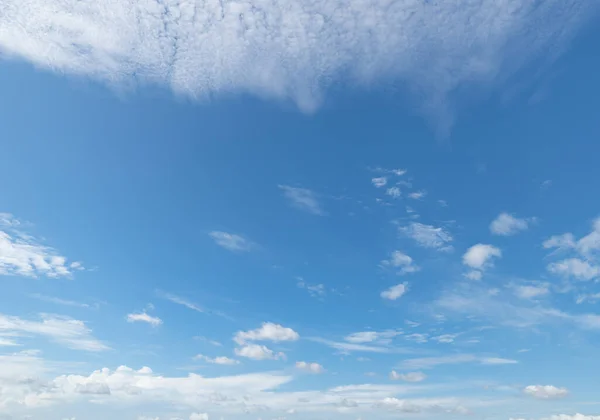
(289, 48)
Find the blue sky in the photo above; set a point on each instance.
(289, 210)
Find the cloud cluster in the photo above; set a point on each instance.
(268, 331)
(291, 49)
(428, 236)
(479, 258)
(545, 392)
(401, 263)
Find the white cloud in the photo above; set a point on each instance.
(393, 192)
(395, 292)
(347, 348)
(199, 416)
(403, 263)
(428, 236)
(545, 392)
(71, 333)
(59, 301)
(408, 377)
(258, 352)
(431, 362)
(480, 257)
(379, 181)
(291, 49)
(507, 225)
(220, 360)
(575, 268)
(588, 246)
(24, 255)
(315, 290)
(564, 241)
(531, 291)
(418, 195)
(231, 242)
(144, 317)
(303, 199)
(310, 367)
(576, 416)
(268, 331)
(380, 337)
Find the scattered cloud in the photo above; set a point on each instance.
(576, 416)
(428, 236)
(71, 333)
(401, 263)
(575, 268)
(531, 291)
(379, 181)
(144, 317)
(480, 257)
(220, 360)
(191, 305)
(208, 340)
(393, 192)
(408, 377)
(315, 290)
(349, 347)
(507, 225)
(310, 367)
(258, 352)
(231, 242)
(379, 337)
(395, 292)
(587, 246)
(545, 392)
(22, 254)
(417, 195)
(198, 416)
(268, 331)
(303, 199)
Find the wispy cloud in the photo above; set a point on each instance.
(401, 263)
(69, 332)
(191, 305)
(144, 317)
(233, 47)
(395, 292)
(220, 360)
(303, 199)
(507, 225)
(428, 236)
(431, 362)
(59, 301)
(22, 254)
(231, 241)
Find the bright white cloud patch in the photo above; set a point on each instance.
(220, 360)
(144, 317)
(198, 416)
(290, 49)
(480, 257)
(231, 241)
(545, 392)
(379, 181)
(408, 377)
(303, 199)
(576, 416)
(393, 192)
(268, 331)
(395, 292)
(258, 352)
(507, 224)
(24, 255)
(310, 367)
(71, 333)
(428, 236)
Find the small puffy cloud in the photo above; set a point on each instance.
(231, 241)
(303, 199)
(395, 292)
(507, 225)
(574, 268)
(480, 257)
(401, 262)
(379, 181)
(310, 367)
(393, 192)
(408, 377)
(545, 392)
(268, 331)
(564, 241)
(144, 317)
(198, 416)
(258, 352)
(428, 236)
(220, 360)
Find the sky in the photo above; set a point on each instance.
(294, 210)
